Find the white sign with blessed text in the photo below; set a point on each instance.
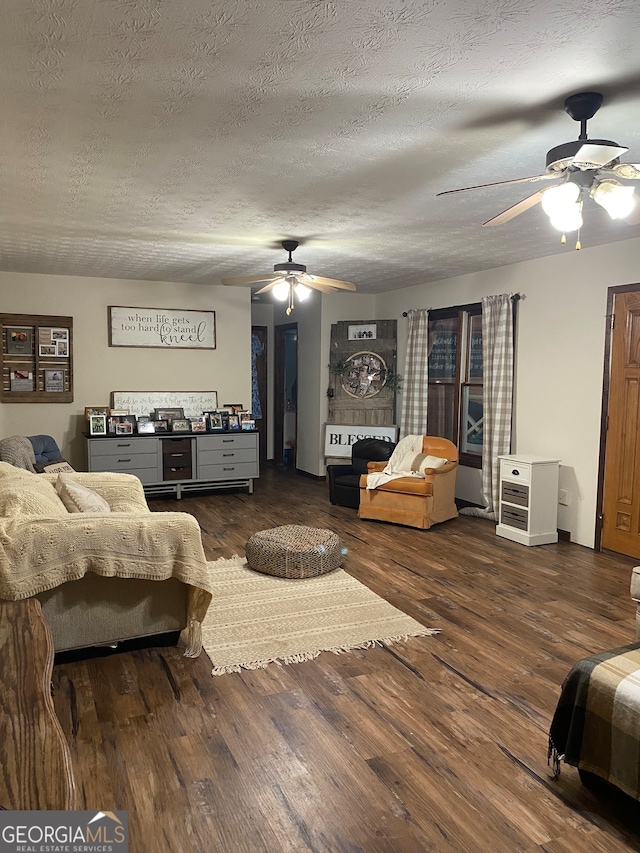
(339, 438)
(164, 328)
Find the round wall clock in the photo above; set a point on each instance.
(365, 375)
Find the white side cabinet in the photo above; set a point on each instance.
(528, 511)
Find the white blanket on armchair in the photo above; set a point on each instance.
(399, 465)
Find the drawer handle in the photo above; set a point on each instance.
(516, 472)
(124, 460)
(124, 445)
(228, 440)
(228, 454)
(229, 469)
(176, 454)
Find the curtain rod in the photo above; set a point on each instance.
(514, 296)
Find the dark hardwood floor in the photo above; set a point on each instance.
(434, 744)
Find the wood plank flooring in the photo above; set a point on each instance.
(434, 744)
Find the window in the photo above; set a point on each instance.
(454, 405)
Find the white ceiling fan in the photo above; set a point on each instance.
(288, 278)
(583, 169)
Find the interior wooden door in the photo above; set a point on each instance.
(621, 496)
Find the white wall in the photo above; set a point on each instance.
(100, 369)
(560, 352)
(560, 358)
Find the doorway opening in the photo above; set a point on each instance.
(285, 430)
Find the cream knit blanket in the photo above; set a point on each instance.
(42, 551)
(399, 465)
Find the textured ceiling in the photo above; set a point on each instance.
(181, 140)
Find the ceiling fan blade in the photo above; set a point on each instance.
(593, 156)
(334, 282)
(501, 183)
(515, 210)
(247, 279)
(630, 171)
(269, 286)
(323, 288)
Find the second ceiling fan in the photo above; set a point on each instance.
(289, 278)
(585, 168)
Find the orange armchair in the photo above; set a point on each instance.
(415, 501)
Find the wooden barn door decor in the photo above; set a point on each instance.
(362, 371)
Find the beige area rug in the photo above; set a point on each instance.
(254, 619)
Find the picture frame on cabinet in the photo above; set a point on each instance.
(97, 425)
(145, 427)
(168, 414)
(180, 425)
(160, 426)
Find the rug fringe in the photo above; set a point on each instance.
(301, 657)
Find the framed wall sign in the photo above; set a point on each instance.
(163, 328)
(338, 438)
(191, 403)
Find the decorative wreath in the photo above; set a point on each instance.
(364, 375)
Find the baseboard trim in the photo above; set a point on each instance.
(320, 478)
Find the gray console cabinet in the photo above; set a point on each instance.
(174, 464)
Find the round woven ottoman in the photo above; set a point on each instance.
(293, 551)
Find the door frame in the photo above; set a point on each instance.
(612, 292)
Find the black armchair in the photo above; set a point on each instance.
(344, 480)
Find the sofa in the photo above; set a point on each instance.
(104, 567)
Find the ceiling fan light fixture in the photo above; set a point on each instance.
(281, 290)
(569, 219)
(556, 200)
(616, 199)
(302, 291)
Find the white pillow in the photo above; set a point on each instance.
(423, 461)
(79, 498)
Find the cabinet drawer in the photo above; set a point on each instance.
(177, 472)
(225, 440)
(514, 517)
(176, 445)
(126, 462)
(118, 446)
(242, 470)
(515, 493)
(229, 455)
(515, 472)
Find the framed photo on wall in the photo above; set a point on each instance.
(54, 380)
(19, 340)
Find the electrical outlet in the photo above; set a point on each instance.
(563, 497)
